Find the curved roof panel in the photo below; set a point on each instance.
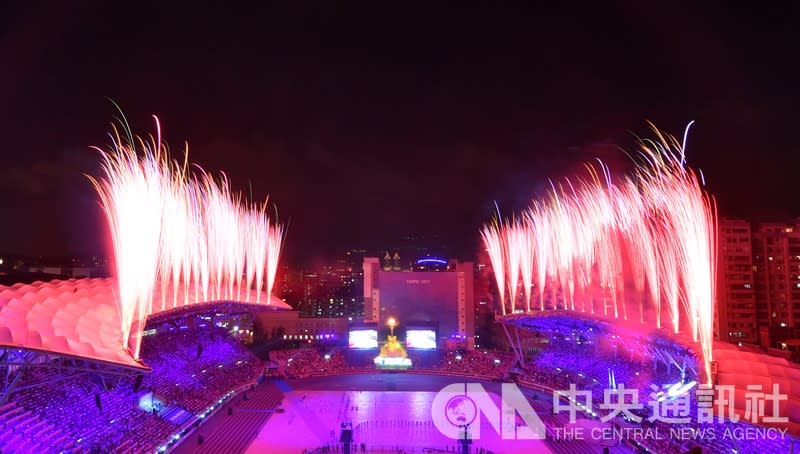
(743, 368)
(80, 318)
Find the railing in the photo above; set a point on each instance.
(189, 427)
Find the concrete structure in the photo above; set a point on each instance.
(735, 318)
(443, 296)
(288, 325)
(758, 297)
(776, 269)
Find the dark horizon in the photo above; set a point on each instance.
(368, 124)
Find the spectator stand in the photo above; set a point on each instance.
(19, 366)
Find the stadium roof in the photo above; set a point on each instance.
(742, 369)
(75, 317)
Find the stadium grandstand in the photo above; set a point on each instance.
(197, 386)
(555, 350)
(161, 357)
(75, 318)
(69, 386)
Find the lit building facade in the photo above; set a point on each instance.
(735, 318)
(444, 296)
(330, 290)
(290, 327)
(776, 265)
(758, 297)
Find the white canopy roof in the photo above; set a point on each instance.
(742, 368)
(75, 317)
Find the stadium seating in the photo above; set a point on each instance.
(592, 359)
(65, 415)
(304, 362)
(240, 428)
(194, 368)
(479, 363)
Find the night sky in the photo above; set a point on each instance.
(368, 123)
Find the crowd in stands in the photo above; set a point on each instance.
(481, 363)
(591, 360)
(193, 376)
(304, 362)
(191, 369)
(71, 408)
(595, 360)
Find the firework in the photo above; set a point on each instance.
(492, 238)
(182, 235)
(589, 237)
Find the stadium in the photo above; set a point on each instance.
(197, 388)
(595, 305)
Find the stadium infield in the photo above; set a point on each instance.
(388, 411)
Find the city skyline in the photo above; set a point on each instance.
(361, 131)
(473, 228)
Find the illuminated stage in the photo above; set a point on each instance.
(393, 356)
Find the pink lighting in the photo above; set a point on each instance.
(180, 235)
(641, 248)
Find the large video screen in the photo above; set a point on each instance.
(363, 338)
(421, 338)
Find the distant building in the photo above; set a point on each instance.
(442, 296)
(758, 291)
(29, 269)
(735, 319)
(484, 309)
(290, 327)
(776, 269)
(330, 290)
(64, 271)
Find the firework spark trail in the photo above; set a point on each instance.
(588, 237)
(527, 259)
(513, 238)
(257, 231)
(274, 246)
(184, 234)
(492, 238)
(538, 222)
(644, 255)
